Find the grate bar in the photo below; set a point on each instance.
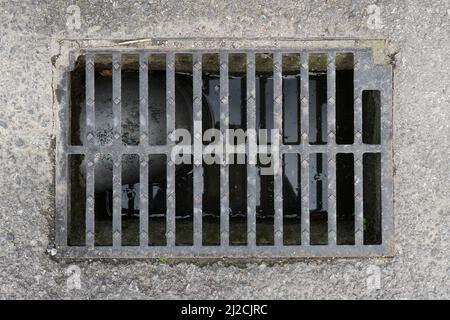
(123, 149)
(90, 99)
(170, 116)
(117, 201)
(144, 150)
(331, 116)
(90, 157)
(252, 147)
(143, 170)
(262, 49)
(332, 229)
(224, 178)
(339, 148)
(117, 142)
(278, 172)
(62, 195)
(143, 201)
(90, 196)
(304, 124)
(386, 165)
(230, 251)
(359, 222)
(198, 156)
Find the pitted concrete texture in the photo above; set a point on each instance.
(418, 36)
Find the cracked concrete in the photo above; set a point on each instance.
(419, 39)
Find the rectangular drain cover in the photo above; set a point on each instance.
(224, 153)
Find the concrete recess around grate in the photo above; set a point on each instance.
(32, 47)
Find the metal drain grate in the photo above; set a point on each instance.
(318, 129)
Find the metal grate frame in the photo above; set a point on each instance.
(367, 76)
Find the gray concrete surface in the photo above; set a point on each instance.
(419, 39)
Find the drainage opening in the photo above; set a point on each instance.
(228, 153)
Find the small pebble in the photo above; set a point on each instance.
(10, 236)
(52, 252)
(19, 142)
